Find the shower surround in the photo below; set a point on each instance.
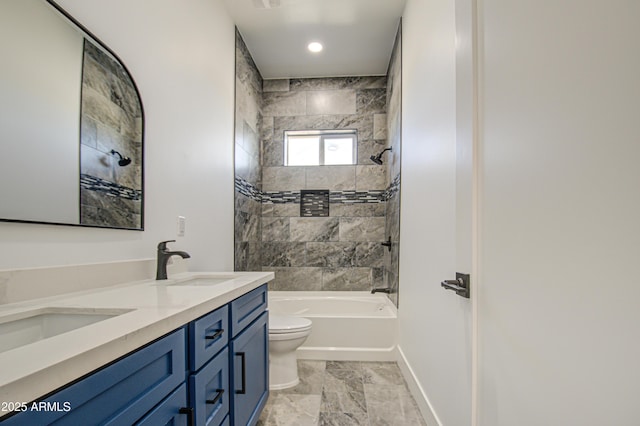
(342, 251)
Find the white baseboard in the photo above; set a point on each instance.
(428, 413)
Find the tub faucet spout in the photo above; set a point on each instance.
(163, 258)
(381, 290)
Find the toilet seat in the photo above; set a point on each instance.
(284, 324)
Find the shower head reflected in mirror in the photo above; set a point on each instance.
(123, 161)
(378, 158)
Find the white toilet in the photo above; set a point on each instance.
(286, 334)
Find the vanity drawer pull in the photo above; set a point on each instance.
(243, 373)
(217, 397)
(189, 412)
(216, 335)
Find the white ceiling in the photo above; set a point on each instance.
(357, 35)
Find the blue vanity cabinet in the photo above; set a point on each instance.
(211, 372)
(249, 357)
(120, 393)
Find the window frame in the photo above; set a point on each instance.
(323, 136)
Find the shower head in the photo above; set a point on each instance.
(123, 161)
(378, 158)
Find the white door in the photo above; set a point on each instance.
(436, 326)
(558, 305)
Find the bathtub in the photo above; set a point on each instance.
(347, 325)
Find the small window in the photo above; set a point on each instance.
(320, 147)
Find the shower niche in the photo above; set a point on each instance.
(314, 203)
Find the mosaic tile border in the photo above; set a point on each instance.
(248, 189)
(392, 189)
(336, 197)
(356, 197)
(92, 183)
(280, 197)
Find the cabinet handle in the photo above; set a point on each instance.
(243, 373)
(215, 336)
(217, 397)
(189, 412)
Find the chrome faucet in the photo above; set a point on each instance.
(381, 290)
(163, 258)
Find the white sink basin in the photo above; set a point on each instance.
(203, 281)
(31, 326)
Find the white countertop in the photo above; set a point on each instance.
(31, 371)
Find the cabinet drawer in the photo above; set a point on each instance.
(208, 335)
(209, 391)
(120, 393)
(168, 412)
(247, 308)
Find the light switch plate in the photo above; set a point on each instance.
(181, 225)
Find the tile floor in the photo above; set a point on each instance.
(343, 393)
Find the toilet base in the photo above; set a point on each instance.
(284, 385)
(283, 370)
(287, 334)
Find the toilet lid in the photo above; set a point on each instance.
(288, 324)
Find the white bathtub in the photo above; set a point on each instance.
(347, 325)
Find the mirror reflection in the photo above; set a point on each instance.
(71, 124)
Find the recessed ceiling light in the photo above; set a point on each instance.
(314, 47)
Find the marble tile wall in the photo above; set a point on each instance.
(248, 127)
(341, 251)
(111, 119)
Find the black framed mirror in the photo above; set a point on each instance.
(71, 124)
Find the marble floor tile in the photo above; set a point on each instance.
(383, 373)
(311, 374)
(344, 393)
(343, 419)
(343, 402)
(291, 410)
(344, 365)
(391, 405)
(343, 381)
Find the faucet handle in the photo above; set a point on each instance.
(163, 244)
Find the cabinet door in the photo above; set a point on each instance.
(120, 393)
(250, 372)
(209, 391)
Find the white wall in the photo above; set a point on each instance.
(181, 56)
(435, 332)
(559, 317)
